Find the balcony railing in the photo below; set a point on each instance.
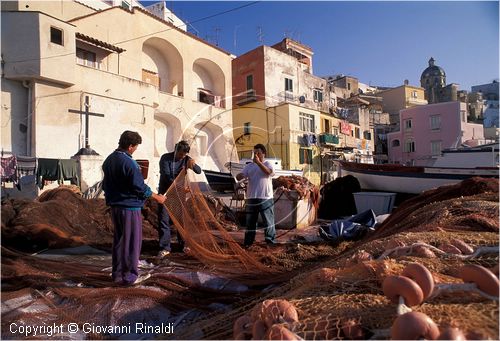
(328, 139)
(246, 97)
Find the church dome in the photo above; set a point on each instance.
(432, 71)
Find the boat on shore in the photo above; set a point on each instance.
(225, 181)
(452, 167)
(237, 167)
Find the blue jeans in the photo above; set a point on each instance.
(164, 229)
(266, 209)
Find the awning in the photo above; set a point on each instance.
(98, 43)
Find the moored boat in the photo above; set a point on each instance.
(450, 168)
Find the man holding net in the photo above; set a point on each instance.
(125, 191)
(171, 165)
(259, 196)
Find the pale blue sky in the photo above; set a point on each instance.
(379, 42)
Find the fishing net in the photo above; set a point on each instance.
(340, 296)
(335, 289)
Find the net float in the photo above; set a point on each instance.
(484, 279)
(400, 286)
(414, 326)
(422, 276)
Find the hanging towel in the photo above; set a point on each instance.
(26, 165)
(9, 169)
(69, 171)
(48, 169)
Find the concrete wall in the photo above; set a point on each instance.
(64, 10)
(37, 58)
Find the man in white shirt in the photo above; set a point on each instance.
(259, 196)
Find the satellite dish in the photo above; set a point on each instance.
(302, 99)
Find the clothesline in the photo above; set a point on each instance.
(13, 168)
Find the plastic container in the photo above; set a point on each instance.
(379, 202)
(290, 213)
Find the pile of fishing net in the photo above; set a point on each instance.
(296, 188)
(311, 291)
(451, 231)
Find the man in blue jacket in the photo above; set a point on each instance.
(125, 191)
(171, 165)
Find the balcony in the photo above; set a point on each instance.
(415, 101)
(328, 139)
(246, 97)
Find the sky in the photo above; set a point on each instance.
(381, 43)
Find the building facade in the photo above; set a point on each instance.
(144, 74)
(428, 129)
(280, 103)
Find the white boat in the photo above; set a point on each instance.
(452, 167)
(236, 167)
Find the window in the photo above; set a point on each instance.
(414, 94)
(326, 124)
(395, 143)
(148, 76)
(409, 146)
(247, 128)
(348, 86)
(356, 132)
(206, 96)
(336, 131)
(249, 82)
(125, 4)
(463, 113)
(407, 124)
(288, 85)
(318, 95)
(56, 36)
(436, 147)
(305, 156)
(87, 58)
(435, 122)
(367, 135)
(306, 122)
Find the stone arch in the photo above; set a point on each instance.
(167, 131)
(209, 76)
(211, 143)
(162, 58)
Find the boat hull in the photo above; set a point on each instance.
(414, 180)
(220, 181)
(236, 168)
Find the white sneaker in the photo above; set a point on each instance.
(186, 250)
(163, 253)
(141, 279)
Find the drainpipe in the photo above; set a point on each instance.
(267, 126)
(28, 85)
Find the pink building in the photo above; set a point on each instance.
(428, 129)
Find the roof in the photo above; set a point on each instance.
(154, 17)
(97, 42)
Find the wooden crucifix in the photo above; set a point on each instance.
(87, 114)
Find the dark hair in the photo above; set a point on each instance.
(261, 147)
(128, 138)
(182, 146)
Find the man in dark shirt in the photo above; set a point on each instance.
(125, 191)
(171, 164)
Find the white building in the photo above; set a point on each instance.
(140, 71)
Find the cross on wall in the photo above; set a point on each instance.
(87, 150)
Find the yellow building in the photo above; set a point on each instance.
(277, 102)
(401, 97)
